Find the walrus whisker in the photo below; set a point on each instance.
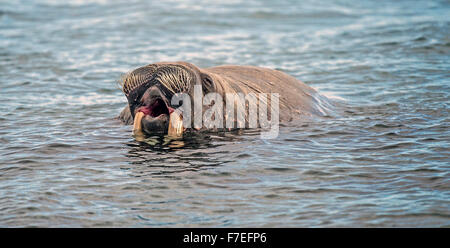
(134, 79)
(175, 79)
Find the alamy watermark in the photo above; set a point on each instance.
(241, 111)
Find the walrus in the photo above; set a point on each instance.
(149, 88)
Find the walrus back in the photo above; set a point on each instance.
(296, 98)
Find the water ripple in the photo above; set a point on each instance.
(380, 161)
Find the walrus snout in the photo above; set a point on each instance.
(155, 110)
(159, 124)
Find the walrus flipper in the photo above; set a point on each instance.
(125, 116)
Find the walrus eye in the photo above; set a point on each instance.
(208, 84)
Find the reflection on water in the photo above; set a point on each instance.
(381, 160)
(156, 155)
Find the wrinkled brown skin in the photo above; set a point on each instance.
(296, 99)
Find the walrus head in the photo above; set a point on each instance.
(150, 88)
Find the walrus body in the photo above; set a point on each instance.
(296, 99)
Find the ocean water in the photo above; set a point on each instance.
(381, 160)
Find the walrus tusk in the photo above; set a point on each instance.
(137, 128)
(175, 124)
